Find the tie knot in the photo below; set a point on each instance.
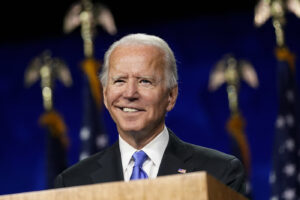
(139, 158)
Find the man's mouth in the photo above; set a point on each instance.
(129, 110)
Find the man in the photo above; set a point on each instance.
(139, 79)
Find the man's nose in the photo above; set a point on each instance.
(131, 90)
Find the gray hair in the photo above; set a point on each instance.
(144, 39)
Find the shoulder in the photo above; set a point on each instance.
(224, 167)
(209, 155)
(85, 165)
(213, 161)
(198, 153)
(80, 173)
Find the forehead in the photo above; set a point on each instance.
(137, 58)
(136, 49)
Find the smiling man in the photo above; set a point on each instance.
(136, 93)
(139, 79)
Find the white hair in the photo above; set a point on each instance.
(144, 39)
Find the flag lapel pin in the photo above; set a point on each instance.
(181, 171)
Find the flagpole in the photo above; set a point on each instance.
(231, 71)
(87, 15)
(48, 69)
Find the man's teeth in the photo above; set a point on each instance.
(129, 110)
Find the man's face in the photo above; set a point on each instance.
(136, 94)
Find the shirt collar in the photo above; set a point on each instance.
(154, 149)
(126, 152)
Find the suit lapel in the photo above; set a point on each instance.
(110, 166)
(176, 157)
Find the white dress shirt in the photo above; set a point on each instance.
(154, 150)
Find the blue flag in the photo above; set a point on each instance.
(285, 175)
(57, 144)
(92, 134)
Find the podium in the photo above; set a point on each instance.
(191, 186)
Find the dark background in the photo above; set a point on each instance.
(27, 20)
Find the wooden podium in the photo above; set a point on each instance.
(191, 186)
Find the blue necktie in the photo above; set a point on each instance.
(139, 158)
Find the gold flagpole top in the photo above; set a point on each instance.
(276, 10)
(88, 16)
(47, 69)
(229, 70)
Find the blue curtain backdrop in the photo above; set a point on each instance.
(199, 116)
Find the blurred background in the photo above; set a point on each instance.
(200, 35)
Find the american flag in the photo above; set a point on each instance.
(285, 175)
(92, 134)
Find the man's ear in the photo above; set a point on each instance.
(104, 96)
(173, 93)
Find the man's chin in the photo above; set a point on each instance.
(132, 131)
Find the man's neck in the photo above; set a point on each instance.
(140, 139)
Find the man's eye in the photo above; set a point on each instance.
(119, 81)
(145, 82)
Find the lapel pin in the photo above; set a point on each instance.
(182, 171)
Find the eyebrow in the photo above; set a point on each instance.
(146, 77)
(138, 77)
(118, 77)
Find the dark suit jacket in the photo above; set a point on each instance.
(106, 166)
